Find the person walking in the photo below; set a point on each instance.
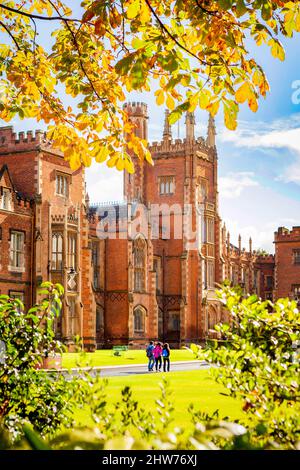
(149, 353)
(166, 357)
(157, 352)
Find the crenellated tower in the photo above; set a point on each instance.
(134, 184)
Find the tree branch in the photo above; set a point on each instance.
(165, 29)
(39, 17)
(11, 35)
(209, 12)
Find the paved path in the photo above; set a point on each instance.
(138, 369)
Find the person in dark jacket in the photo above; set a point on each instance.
(149, 353)
(166, 357)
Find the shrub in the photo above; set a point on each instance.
(26, 393)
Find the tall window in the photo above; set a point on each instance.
(99, 321)
(72, 316)
(13, 294)
(210, 230)
(166, 184)
(269, 282)
(203, 228)
(62, 185)
(17, 249)
(157, 269)
(72, 250)
(174, 321)
(139, 256)
(202, 192)
(296, 291)
(160, 323)
(95, 263)
(139, 314)
(210, 274)
(57, 252)
(296, 254)
(204, 275)
(5, 199)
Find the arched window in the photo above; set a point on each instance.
(57, 252)
(139, 259)
(139, 314)
(99, 321)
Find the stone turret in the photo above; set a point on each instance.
(167, 134)
(190, 126)
(138, 113)
(211, 132)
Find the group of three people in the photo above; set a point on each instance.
(156, 353)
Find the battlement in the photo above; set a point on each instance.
(268, 258)
(136, 108)
(10, 140)
(180, 145)
(283, 234)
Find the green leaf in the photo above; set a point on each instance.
(34, 439)
(174, 116)
(122, 67)
(225, 4)
(240, 8)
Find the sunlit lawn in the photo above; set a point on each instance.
(195, 387)
(106, 357)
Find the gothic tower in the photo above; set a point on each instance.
(133, 184)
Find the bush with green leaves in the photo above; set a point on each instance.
(260, 361)
(125, 425)
(28, 394)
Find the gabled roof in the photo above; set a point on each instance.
(4, 170)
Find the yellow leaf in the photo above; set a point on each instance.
(149, 157)
(277, 49)
(75, 162)
(160, 97)
(170, 102)
(120, 164)
(253, 104)
(133, 9)
(243, 93)
(129, 167)
(101, 156)
(145, 14)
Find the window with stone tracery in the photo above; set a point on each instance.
(57, 252)
(139, 315)
(139, 259)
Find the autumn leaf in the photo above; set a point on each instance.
(277, 49)
(160, 97)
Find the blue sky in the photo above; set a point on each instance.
(259, 164)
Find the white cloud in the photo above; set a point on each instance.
(284, 133)
(232, 185)
(257, 214)
(103, 183)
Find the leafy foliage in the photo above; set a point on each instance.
(128, 427)
(194, 52)
(27, 393)
(260, 362)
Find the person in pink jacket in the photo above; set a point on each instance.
(157, 352)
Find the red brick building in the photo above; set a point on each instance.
(143, 268)
(287, 269)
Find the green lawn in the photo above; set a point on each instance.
(106, 358)
(195, 387)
